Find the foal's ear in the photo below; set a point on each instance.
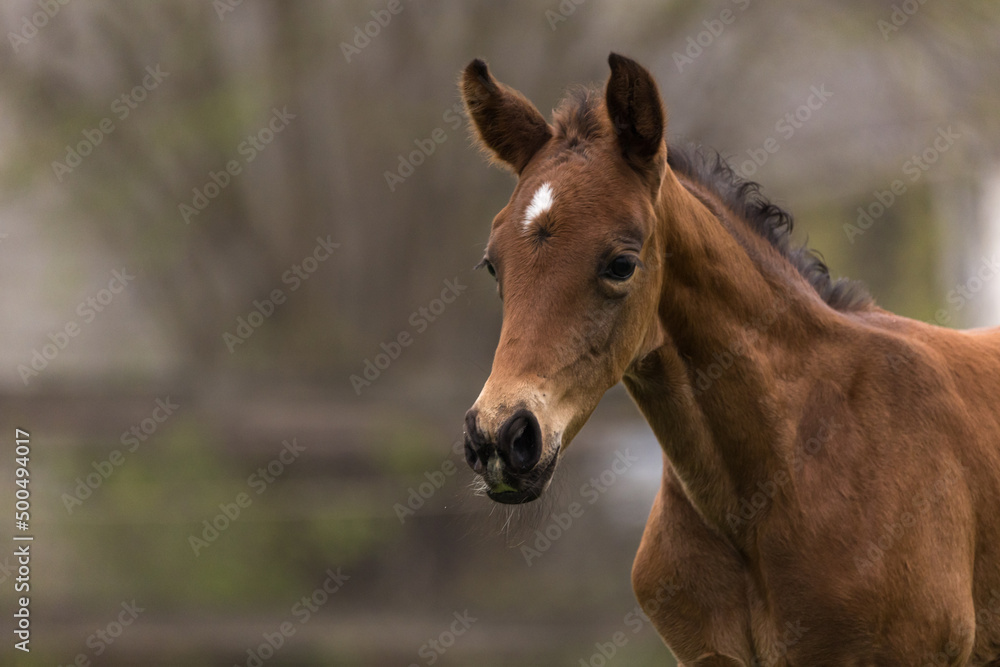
(636, 112)
(507, 124)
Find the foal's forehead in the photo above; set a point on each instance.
(540, 205)
(571, 200)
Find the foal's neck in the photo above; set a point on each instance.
(739, 322)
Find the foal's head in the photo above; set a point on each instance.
(577, 262)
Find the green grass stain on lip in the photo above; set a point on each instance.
(503, 488)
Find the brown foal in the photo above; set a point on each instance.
(831, 471)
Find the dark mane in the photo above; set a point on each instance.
(771, 222)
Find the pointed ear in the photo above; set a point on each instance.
(507, 124)
(636, 112)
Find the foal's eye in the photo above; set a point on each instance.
(621, 267)
(488, 266)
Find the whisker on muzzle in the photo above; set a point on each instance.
(478, 486)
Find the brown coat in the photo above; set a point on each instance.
(831, 478)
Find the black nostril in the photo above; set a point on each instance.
(475, 444)
(520, 441)
(472, 456)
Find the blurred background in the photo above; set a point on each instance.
(220, 220)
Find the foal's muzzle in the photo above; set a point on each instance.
(509, 463)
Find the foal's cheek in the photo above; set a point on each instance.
(634, 330)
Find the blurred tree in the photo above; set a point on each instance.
(208, 242)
